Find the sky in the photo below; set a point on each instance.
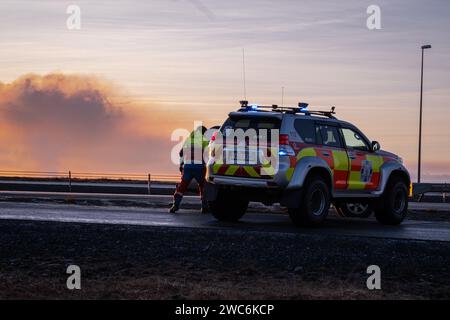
(110, 94)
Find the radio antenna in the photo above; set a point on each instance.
(282, 97)
(243, 73)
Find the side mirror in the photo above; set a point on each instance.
(375, 146)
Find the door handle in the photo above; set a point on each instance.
(326, 154)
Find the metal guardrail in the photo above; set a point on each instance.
(420, 189)
(71, 176)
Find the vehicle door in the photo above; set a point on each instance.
(364, 165)
(331, 149)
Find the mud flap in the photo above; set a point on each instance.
(291, 198)
(210, 191)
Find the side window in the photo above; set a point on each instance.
(329, 135)
(354, 140)
(306, 130)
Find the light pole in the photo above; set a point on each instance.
(420, 116)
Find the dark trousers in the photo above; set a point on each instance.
(189, 173)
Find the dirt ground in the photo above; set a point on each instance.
(132, 262)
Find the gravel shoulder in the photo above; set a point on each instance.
(133, 262)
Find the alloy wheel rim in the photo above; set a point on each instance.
(317, 202)
(399, 202)
(357, 207)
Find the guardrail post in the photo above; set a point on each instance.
(70, 181)
(444, 194)
(149, 183)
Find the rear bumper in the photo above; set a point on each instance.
(239, 182)
(249, 188)
(252, 190)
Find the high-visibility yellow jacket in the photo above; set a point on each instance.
(193, 151)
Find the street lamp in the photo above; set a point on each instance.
(420, 116)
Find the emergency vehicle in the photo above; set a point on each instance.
(321, 161)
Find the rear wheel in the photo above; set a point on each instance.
(314, 203)
(229, 206)
(355, 209)
(392, 207)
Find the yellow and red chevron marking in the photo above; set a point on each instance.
(238, 170)
(265, 170)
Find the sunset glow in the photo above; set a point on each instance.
(106, 98)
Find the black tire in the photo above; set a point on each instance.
(314, 203)
(392, 207)
(228, 207)
(355, 209)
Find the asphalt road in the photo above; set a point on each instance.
(158, 217)
(158, 199)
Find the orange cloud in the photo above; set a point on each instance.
(79, 122)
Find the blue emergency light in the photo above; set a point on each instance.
(247, 107)
(303, 106)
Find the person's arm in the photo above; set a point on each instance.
(181, 160)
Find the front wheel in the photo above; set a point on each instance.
(228, 207)
(392, 207)
(354, 209)
(314, 203)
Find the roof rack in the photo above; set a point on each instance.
(301, 108)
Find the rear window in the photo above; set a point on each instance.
(251, 123)
(257, 128)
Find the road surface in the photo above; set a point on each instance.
(158, 217)
(163, 199)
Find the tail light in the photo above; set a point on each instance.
(213, 137)
(284, 147)
(212, 148)
(284, 139)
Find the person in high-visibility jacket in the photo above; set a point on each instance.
(192, 166)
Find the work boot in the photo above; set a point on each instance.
(205, 208)
(176, 203)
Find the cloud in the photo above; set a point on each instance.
(78, 122)
(69, 106)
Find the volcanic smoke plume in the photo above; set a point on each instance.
(77, 122)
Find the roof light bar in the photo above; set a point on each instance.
(301, 108)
